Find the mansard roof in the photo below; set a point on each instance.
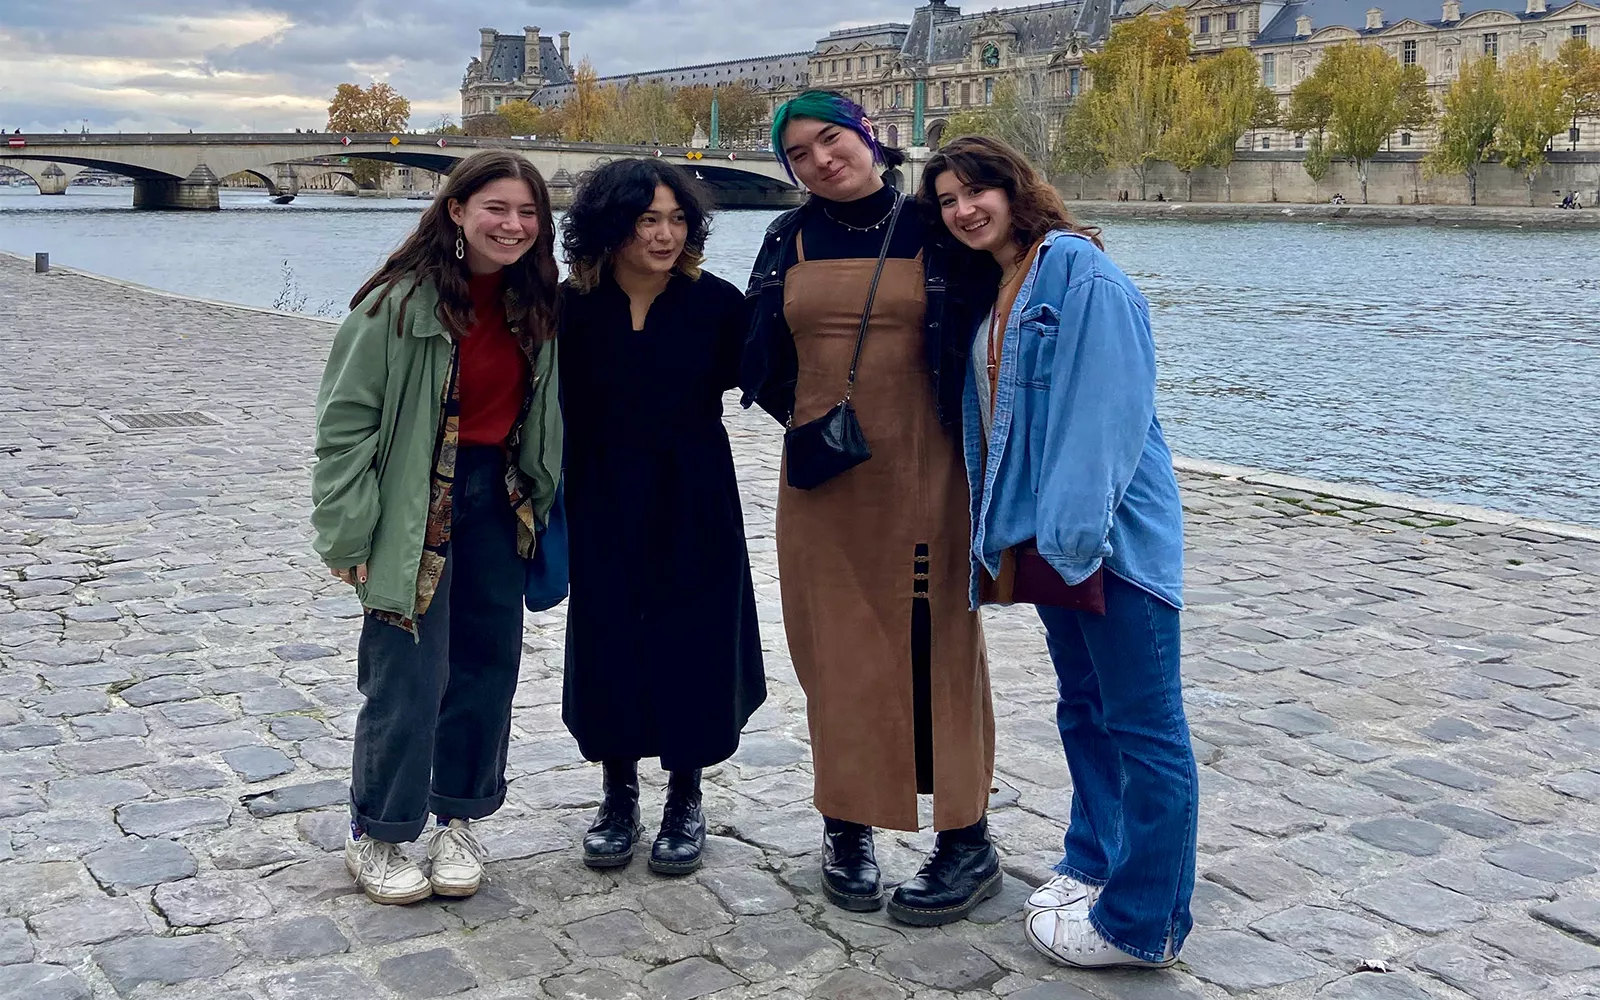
(946, 36)
(508, 60)
(1352, 14)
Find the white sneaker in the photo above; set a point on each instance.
(1066, 936)
(383, 873)
(457, 858)
(1063, 890)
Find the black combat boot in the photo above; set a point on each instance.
(609, 842)
(850, 876)
(683, 827)
(963, 872)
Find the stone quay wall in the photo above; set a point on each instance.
(1392, 179)
(1395, 707)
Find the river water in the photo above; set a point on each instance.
(1460, 364)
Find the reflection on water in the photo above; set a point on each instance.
(1455, 363)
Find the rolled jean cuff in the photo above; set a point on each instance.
(402, 832)
(1141, 953)
(1065, 869)
(444, 805)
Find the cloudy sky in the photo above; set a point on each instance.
(231, 65)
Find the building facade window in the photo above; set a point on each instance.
(833, 68)
(1581, 31)
(1269, 70)
(944, 95)
(1074, 81)
(1205, 25)
(1408, 52)
(966, 94)
(988, 91)
(899, 97)
(1233, 22)
(894, 135)
(1266, 142)
(1491, 44)
(1299, 142)
(1405, 138)
(1035, 84)
(877, 62)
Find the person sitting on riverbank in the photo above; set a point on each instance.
(438, 441)
(1075, 509)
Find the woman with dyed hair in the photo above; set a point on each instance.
(1076, 510)
(438, 455)
(856, 346)
(663, 648)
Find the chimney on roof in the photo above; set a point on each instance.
(1302, 26)
(1536, 6)
(1452, 11)
(530, 54)
(485, 44)
(1375, 18)
(566, 50)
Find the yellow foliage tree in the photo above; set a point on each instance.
(585, 112)
(377, 108)
(1355, 99)
(1534, 89)
(1474, 107)
(740, 109)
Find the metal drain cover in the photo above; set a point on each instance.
(159, 421)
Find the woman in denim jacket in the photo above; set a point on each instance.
(1067, 465)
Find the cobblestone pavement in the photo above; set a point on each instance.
(1396, 715)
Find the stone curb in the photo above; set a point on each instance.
(1194, 466)
(1373, 495)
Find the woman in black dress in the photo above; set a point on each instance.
(663, 654)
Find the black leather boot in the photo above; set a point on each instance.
(963, 872)
(609, 842)
(683, 827)
(850, 876)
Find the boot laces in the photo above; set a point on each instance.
(380, 862)
(455, 845)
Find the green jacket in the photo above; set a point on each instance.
(378, 415)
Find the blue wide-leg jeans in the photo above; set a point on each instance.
(1136, 794)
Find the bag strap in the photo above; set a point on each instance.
(872, 292)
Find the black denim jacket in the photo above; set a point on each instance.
(958, 284)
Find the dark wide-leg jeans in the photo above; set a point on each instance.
(433, 733)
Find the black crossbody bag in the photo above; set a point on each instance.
(833, 443)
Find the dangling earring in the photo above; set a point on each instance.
(461, 246)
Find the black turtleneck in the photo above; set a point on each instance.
(839, 230)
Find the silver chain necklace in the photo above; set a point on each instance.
(861, 229)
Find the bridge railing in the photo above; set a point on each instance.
(405, 139)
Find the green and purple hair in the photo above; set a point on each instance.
(823, 106)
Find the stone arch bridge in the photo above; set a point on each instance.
(183, 170)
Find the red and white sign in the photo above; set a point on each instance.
(16, 142)
(731, 156)
(344, 140)
(441, 143)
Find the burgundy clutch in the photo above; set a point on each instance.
(1035, 581)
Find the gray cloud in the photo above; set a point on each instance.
(273, 64)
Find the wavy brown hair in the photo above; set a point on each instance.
(983, 162)
(429, 254)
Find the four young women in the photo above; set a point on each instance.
(976, 343)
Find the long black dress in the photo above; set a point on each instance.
(663, 653)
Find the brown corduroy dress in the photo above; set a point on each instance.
(866, 555)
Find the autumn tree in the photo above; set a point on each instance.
(1130, 108)
(1534, 91)
(377, 108)
(1030, 125)
(1078, 146)
(1232, 82)
(643, 113)
(1580, 65)
(1474, 107)
(1189, 142)
(1356, 98)
(528, 119)
(740, 110)
(585, 111)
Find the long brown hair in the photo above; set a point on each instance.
(978, 160)
(429, 254)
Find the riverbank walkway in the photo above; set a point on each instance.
(1396, 708)
(1179, 210)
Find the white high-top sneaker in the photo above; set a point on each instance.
(383, 873)
(1065, 935)
(457, 858)
(1063, 890)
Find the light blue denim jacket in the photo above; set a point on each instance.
(1076, 458)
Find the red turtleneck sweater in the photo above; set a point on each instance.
(494, 371)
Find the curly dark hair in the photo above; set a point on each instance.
(1036, 206)
(605, 214)
(429, 254)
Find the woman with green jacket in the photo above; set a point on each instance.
(438, 455)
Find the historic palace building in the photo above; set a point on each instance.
(913, 75)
